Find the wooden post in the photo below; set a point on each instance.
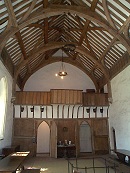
(114, 139)
(13, 91)
(109, 92)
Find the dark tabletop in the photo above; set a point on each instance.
(11, 162)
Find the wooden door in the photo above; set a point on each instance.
(101, 136)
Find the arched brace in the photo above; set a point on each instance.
(54, 10)
(55, 45)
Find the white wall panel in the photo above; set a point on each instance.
(119, 111)
(49, 112)
(37, 112)
(45, 79)
(9, 112)
(29, 113)
(24, 113)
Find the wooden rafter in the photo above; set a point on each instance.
(85, 28)
(45, 24)
(29, 10)
(21, 44)
(100, 35)
(52, 46)
(104, 3)
(58, 10)
(11, 14)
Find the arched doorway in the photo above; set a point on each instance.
(43, 139)
(85, 138)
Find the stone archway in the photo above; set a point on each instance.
(43, 139)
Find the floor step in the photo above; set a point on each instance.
(43, 154)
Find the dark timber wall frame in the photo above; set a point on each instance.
(33, 31)
(25, 133)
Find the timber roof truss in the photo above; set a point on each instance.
(32, 31)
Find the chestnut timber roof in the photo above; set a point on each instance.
(32, 31)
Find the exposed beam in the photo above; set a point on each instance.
(85, 28)
(54, 45)
(36, 25)
(95, 28)
(114, 40)
(57, 10)
(116, 69)
(89, 55)
(79, 2)
(120, 65)
(79, 22)
(45, 24)
(106, 11)
(29, 11)
(11, 14)
(46, 31)
(21, 44)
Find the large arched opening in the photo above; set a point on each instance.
(43, 139)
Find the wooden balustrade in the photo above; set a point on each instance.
(61, 96)
(95, 99)
(32, 98)
(66, 96)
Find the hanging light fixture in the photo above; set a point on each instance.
(62, 72)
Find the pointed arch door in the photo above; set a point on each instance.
(85, 138)
(43, 138)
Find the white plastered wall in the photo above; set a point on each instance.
(9, 112)
(45, 79)
(119, 111)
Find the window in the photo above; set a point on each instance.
(3, 102)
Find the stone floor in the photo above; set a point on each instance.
(122, 168)
(52, 165)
